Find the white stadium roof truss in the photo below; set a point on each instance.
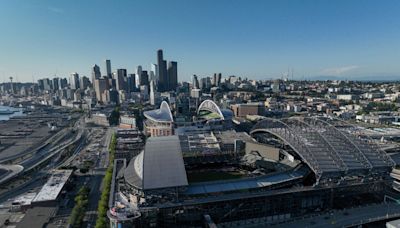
(327, 149)
(211, 106)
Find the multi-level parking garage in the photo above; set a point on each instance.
(332, 149)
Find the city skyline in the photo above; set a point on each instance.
(228, 113)
(263, 40)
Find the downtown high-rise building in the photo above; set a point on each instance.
(167, 78)
(172, 75)
(56, 84)
(131, 83)
(154, 73)
(108, 68)
(100, 85)
(96, 74)
(121, 79)
(138, 76)
(41, 84)
(63, 83)
(47, 84)
(205, 83)
(216, 80)
(154, 95)
(144, 78)
(195, 82)
(162, 72)
(84, 82)
(74, 81)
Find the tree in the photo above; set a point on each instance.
(114, 117)
(78, 212)
(102, 207)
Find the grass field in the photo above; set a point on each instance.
(208, 115)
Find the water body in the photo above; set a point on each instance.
(7, 116)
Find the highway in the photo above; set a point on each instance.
(38, 178)
(49, 152)
(93, 178)
(40, 145)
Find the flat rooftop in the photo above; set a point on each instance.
(54, 185)
(201, 142)
(229, 137)
(25, 199)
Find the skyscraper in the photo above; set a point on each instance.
(131, 83)
(108, 68)
(74, 81)
(144, 78)
(152, 93)
(162, 72)
(63, 83)
(138, 76)
(41, 84)
(154, 73)
(195, 82)
(172, 75)
(84, 82)
(56, 84)
(218, 82)
(47, 84)
(205, 83)
(111, 82)
(100, 85)
(214, 80)
(121, 80)
(95, 73)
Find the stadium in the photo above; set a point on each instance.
(209, 110)
(159, 122)
(282, 170)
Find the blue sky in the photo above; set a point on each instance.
(255, 39)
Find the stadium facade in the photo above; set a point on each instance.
(283, 170)
(159, 122)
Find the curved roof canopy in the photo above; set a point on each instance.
(160, 165)
(163, 114)
(209, 105)
(327, 146)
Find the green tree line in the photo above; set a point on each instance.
(102, 220)
(81, 203)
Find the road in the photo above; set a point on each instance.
(104, 156)
(349, 217)
(94, 197)
(97, 174)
